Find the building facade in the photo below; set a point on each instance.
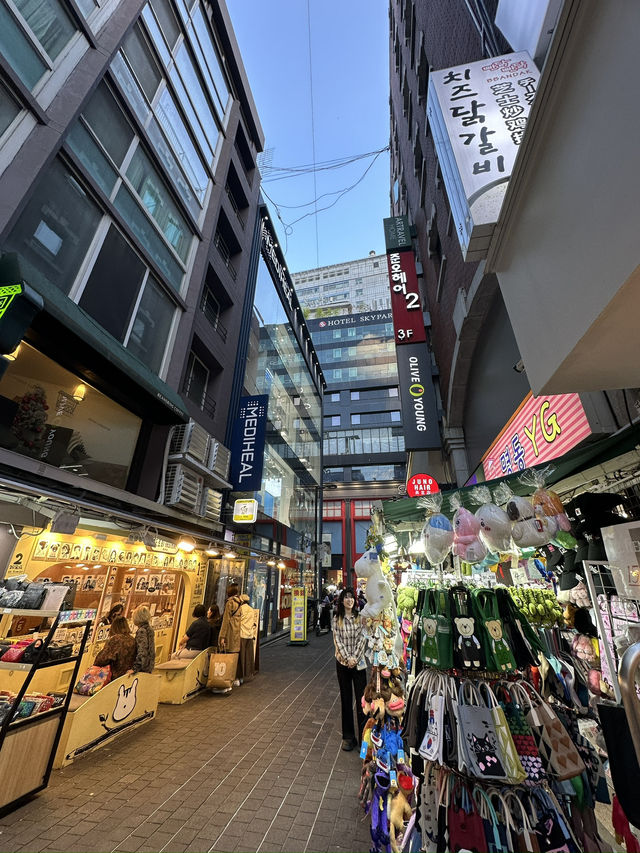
(475, 334)
(348, 313)
(128, 230)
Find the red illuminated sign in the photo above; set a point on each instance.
(420, 485)
(406, 307)
(543, 428)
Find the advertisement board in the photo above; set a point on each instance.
(298, 615)
(417, 398)
(543, 428)
(247, 447)
(406, 306)
(420, 485)
(397, 233)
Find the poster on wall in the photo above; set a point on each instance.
(298, 632)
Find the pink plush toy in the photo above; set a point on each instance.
(466, 540)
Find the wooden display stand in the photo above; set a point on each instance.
(182, 679)
(93, 721)
(28, 745)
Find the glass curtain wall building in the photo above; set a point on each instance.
(348, 311)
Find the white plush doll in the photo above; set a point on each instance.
(529, 530)
(378, 592)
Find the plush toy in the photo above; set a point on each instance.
(468, 643)
(466, 538)
(399, 812)
(547, 504)
(495, 528)
(437, 535)
(377, 592)
(529, 530)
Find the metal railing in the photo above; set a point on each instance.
(234, 205)
(225, 254)
(211, 311)
(206, 402)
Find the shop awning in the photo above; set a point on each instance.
(406, 514)
(66, 333)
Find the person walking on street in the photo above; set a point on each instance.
(350, 641)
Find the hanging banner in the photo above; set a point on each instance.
(418, 398)
(406, 307)
(298, 615)
(247, 447)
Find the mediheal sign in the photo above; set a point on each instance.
(543, 428)
(417, 398)
(247, 447)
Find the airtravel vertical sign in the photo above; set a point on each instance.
(247, 447)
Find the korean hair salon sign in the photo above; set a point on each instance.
(478, 114)
(247, 447)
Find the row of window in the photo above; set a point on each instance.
(364, 473)
(364, 418)
(388, 370)
(359, 508)
(369, 440)
(375, 330)
(364, 394)
(363, 350)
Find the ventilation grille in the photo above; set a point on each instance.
(191, 438)
(211, 507)
(219, 458)
(183, 488)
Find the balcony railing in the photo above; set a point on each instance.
(225, 254)
(205, 401)
(211, 311)
(234, 205)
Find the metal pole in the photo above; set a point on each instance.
(627, 679)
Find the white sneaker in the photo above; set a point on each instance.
(237, 683)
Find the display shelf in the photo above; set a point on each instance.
(16, 611)
(32, 718)
(22, 667)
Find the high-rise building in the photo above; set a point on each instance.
(348, 312)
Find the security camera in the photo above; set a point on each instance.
(519, 366)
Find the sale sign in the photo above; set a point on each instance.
(543, 428)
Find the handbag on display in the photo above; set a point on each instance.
(523, 838)
(55, 596)
(497, 828)
(11, 598)
(59, 651)
(467, 648)
(553, 740)
(498, 650)
(522, 736)
(508, 753)
(436, 627)
(33, 652)
(525, 644)
(551, 828)
(93, 680)
(33, 596)
(222, 670)
(477, 740)
(15, 652)
(431, 748)
(466, 829)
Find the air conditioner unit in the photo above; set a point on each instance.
(211, 504)
(219, 459)
(191, 439)
(182, 488)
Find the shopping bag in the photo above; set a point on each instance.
(508, 753)
(477, 740)
(93, 680)
(522, 735)
(432, 743)
(468, 652)
(499, 654)
(222, 670)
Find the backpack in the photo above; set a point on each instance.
(249, 621)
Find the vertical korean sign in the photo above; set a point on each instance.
(298, 615)
(247, 447)
(406, 308)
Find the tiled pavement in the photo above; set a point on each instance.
(258, 770)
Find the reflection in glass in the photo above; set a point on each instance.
(49, 23)
(151, 326)
(18, 51)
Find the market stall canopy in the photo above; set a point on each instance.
(406, 514)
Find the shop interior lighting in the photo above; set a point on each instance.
(211, 551)
(79, 392)
(282, 565)
(271, 562)
(187, 545)
(230, 555)
(11, 356)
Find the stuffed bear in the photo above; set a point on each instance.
(468, 643)
(495, 528)
(466, 537)
(529, 530)
(399, 812)
(437, 535)
(377, 592)
(547, 503)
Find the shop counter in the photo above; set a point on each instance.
(182, 679)
(93, 721)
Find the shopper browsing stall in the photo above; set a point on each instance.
(351, 670)
(120, 649)
(145, 640)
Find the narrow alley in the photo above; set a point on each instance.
(258, 770)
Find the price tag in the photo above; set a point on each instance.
(393, 778)
(363, 749)
(400, 756)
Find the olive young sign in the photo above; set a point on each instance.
(417, 398)
(247, 447)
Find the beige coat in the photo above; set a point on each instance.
(230, 630)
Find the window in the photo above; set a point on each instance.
(337, 373)
(337, 334)
(353, 372)
(335, 397)
(352, 351)
(362, 509)
(113, 285)
(355, 419)
(151, 326)
(335, 420)
(351, 333)
(337, 352)
(142, 62)
(395, 417)
(9, 109)
(53, 234)
(378, 473)
(393, 392)
(108, 123)
(332, 509)
(196, 380)
(167, 20)
(333, 475)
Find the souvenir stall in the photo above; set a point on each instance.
(100, 570)
(502, 743)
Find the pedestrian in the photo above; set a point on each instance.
(230, 639)
(214, 618)
(145, 658)
(351, 669)
(120, 649)
(361, 599)
(197, 636)
(116, 610)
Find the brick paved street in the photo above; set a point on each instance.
(258, 770)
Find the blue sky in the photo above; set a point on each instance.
(350, 66)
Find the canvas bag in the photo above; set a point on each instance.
(466, 829)
(431, 748)
(477, 740)
(508, 753)
(523, 838)
(553, 740)
(498, 649)
(222, 670)
(93, 680)
(522, 736)
(467, 648)
(428, 629)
